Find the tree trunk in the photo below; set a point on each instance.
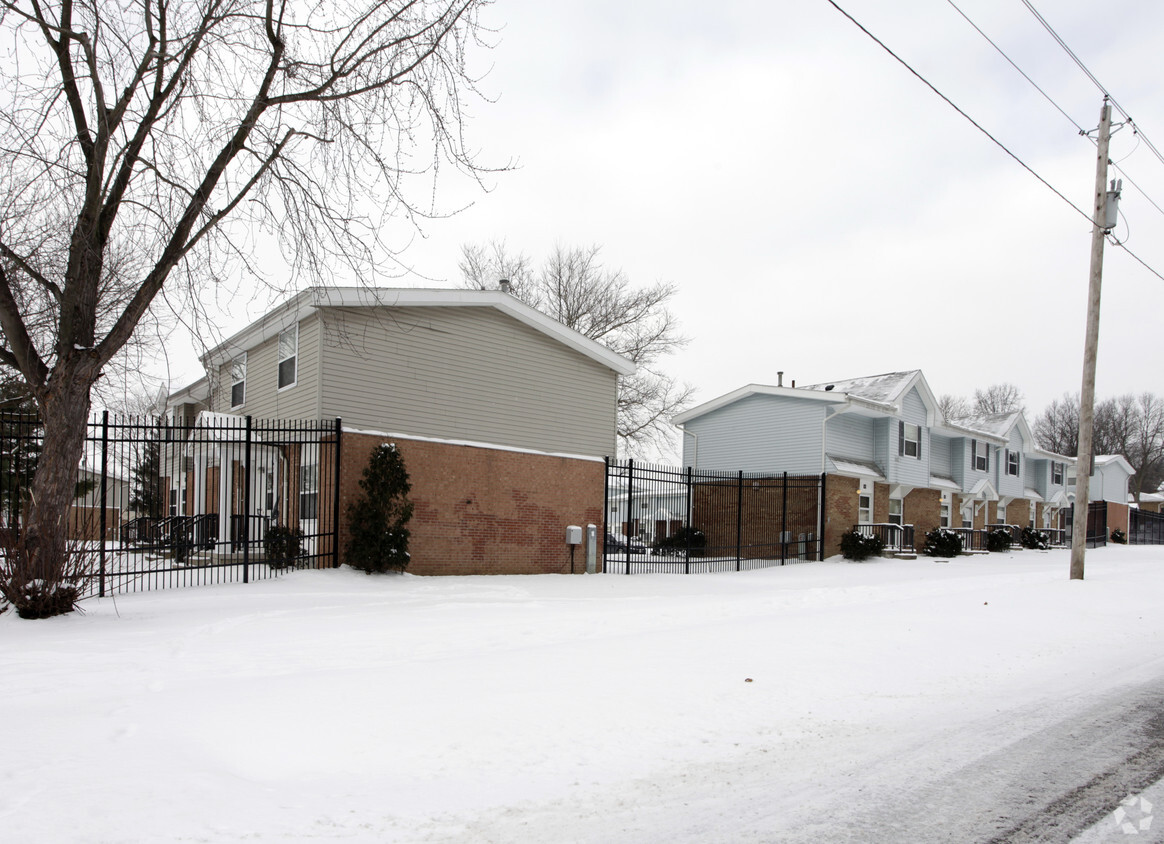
(65, 415)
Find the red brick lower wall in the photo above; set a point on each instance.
(840, 510)
(482, 510)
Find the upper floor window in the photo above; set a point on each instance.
(1012, 462)
(238, 382)
(288, 352)
(909, 440)
(980, 456)
(1057, 473)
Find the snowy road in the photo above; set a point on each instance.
(986, 699)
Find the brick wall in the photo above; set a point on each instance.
(482, 510)
(840, 510)
(1018, 512)
(923, 509)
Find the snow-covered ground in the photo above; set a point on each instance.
(827, 701)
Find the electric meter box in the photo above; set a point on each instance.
(573, 535)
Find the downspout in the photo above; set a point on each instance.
(694, 464)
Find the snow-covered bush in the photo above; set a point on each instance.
(858, 546)
(998, 540)
(378, 520)
(1036, 540)
(942, 542)
(1119, 537)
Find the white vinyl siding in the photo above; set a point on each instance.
(850, 435)
(466, 374)
(940, 463)
(264, 399)
(905, 467)
(758, 434)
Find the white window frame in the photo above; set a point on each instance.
(985, 457)
(897, 518)
(293, 357)
(1057, 473)
(914, 441)
(237, 365)
(865, 503)
(944, 511)
(1013, 463)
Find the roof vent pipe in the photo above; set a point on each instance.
(794, 383)
(780, 378)
(504, 284)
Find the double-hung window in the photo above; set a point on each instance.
(288, 353)
(909, 440)
(1012, 462)
(1057, 473)
(238, 382)
(980, 456)
(896, 510)
(944, 516)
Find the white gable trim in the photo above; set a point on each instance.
(313, 299)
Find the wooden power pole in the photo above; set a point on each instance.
(1084, 460)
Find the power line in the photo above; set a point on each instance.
(1002, 53)
(1147, 141)
(997, 142)
(954, 106)
(1056, 105)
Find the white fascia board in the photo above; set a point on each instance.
(309, 301)
(952, 430)
(757, 390)
(1050, 455)
(1118, 459)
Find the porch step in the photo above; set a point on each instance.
(904, 555)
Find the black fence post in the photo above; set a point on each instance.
(630, 483)
(689, 526)
(246, 514)
(104, 498)
(604, 522)
(739, 516)
(821, 531)
(784, 521)
(335, 520)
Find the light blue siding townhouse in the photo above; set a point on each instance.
(895, 467)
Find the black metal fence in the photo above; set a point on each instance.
(1145, 528)
(1096, 524)
(668, 519)
(210, 499)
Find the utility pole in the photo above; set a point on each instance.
(1101, 225)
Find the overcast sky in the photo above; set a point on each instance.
(821, 211)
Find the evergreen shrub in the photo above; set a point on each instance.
(998, 540)
(282, 545)
(858, 546)
(1036, 540)
(379, 519)
(942, 542)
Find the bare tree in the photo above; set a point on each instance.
(574, 287)
(1056, 429)
(953, 407)
(1128, 425)
(150, 144)
(998, 398)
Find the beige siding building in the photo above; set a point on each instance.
(464, 365)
